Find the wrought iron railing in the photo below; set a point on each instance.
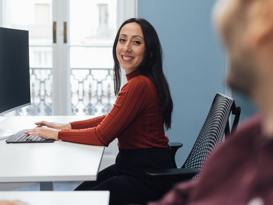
(92, 91)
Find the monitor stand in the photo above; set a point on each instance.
(4, 133)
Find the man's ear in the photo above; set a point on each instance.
(260, 20)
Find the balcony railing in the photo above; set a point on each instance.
(92, 91)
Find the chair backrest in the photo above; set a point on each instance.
(214, 129)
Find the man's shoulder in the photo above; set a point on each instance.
(238, 145)
(245, 136)
(248, 126)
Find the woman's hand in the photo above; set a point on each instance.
(44, 132)
(16, 202)
(53, 125)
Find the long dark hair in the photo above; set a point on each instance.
(151, 67)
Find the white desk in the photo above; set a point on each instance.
(59, 198)
(47, 162)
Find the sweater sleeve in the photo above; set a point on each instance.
(130, 102)
(87, 123)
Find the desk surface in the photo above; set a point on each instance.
(58, 161)
(59, 198)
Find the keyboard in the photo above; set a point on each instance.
(21, 137)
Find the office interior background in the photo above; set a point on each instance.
(74, 76)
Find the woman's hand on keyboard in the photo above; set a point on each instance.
(53, 125)
(44, 132)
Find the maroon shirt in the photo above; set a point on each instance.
(238, 172)
(136, 119)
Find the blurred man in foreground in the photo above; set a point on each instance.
(241, 170)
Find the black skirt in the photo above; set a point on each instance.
(127, 180)
(136, 162)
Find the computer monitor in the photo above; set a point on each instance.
(14, 70)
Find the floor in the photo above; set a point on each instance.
(57, 186)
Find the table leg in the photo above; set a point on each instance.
(46, 186)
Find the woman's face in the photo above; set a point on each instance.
(130, 48)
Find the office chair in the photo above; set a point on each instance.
(214, 130)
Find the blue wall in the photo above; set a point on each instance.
(194, 62)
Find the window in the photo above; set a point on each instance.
(42, 14)
(103, 15)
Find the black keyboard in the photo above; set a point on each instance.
(21, 137)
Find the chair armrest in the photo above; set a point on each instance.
(174, 176)
(169, 172)
(175, 144)
(174, 147)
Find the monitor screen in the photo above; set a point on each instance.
(14, 70)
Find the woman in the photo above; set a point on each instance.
(143, 106)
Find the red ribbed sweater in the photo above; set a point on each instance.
(135, 119)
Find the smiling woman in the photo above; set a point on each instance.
(130, 49)
(137, 119)
(151, 62)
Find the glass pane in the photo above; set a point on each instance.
(32, 15)
(91, 57)
(92, 33)
(36, 17)
(92, 22)
(40, 57)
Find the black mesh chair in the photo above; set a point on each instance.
(214, 130)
